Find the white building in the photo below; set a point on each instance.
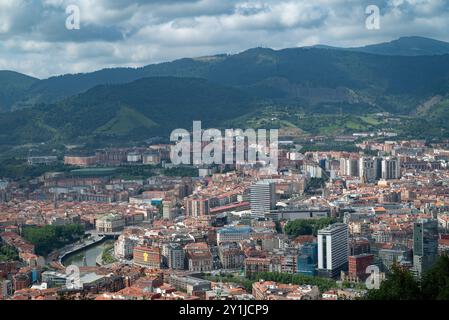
(333, 250)
(123, 247)
(369, 169)
(263, 197)
(313, 170)
(391, 168)
(134, 157)
(349, 167)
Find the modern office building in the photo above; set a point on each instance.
(425, 245)
(308, 259)
(54, 279)
(262, 197)
(391, 168)
(333, 250)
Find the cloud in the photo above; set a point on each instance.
(34, 40)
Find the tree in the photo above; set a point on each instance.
(401, 285)
(8, 253)
(435, 284)
(49, 237)
(298, 227)
(302, 227)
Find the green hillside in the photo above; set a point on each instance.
(138, 110)
(13, 86)
(125, 121)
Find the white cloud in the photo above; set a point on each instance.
(33, 38)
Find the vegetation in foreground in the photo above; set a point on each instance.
(402, 285)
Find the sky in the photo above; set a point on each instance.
(34, 38)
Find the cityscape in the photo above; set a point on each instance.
(334, 184)
(310, 231)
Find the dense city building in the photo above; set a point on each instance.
(152, 238)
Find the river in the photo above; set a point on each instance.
(90, 254)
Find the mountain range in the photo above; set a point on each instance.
(405, 46)
(397, 77)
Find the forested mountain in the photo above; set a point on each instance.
(412, 66)
(136, 110)
(127, 102)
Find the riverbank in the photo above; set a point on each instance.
(90, 256)
(72, 250)
(107, 256)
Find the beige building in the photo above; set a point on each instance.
(110, 223)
